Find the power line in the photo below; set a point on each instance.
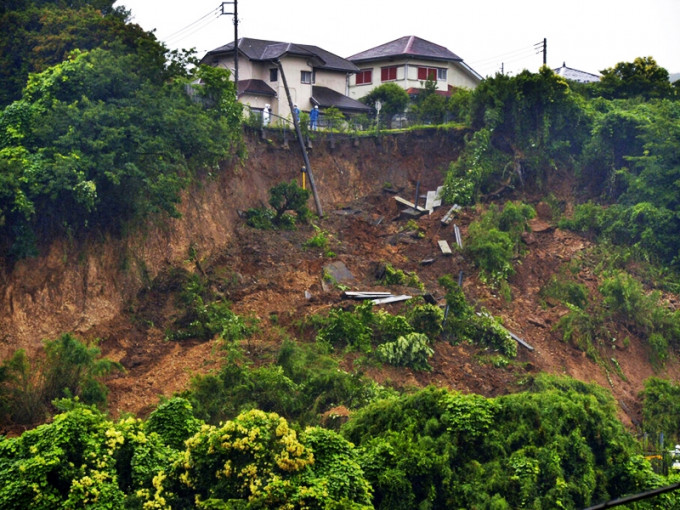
(214, 13)
(526, 50)
(176, 40)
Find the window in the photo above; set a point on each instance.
(274, 74)
(430, 73)
(441, 74)
(365, 77)
(306, 77)
(388, 73)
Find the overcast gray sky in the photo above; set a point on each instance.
(589, 35)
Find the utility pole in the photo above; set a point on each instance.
(301, 142)
(235, 13)
(543, 47)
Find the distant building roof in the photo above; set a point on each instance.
(263, 50)
(326, 98)
(408, 46)
(576, 75)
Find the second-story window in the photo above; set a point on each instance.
(274, 74)
(306, 77)
(427, 73)
(365, 77)
(388, 73)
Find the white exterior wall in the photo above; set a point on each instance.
(407, 76)
(301, 93)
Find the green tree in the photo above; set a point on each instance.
(393, 99)
(643, 77)
(37, 35)
(99, 140)
(81, 460)
(69, 368)
(258, 461)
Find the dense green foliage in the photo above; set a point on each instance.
(103, 136)
(661, 409)
(495, 240)
(301, 385)
(205, 314)
(83, 460)
(284, 197)
(69, 368)
(556, 446)
(392, 97)
(463, 324)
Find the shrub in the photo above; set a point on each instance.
(174, 421)
(395, 276)
(284, 197)
(260, 218)
(410, 351)
(69, 369)
(427, 319)
(205, 316)
(343, 328)
(566, 291)
(387, 327)
(491, 251)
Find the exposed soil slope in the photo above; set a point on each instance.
(122, 291)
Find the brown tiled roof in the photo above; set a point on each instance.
(263, 50)
(326, 98)
(408, 46)
(255, 88)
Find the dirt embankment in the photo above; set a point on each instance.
(115, 289)
(77, 285)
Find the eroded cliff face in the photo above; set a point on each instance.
(74, 286)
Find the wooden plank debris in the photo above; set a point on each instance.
(438, 196)
(520, 341)
(405, 202)
(448, 217)
(390, 299)
(365, 294)
(444, 247)
(459, 239)
(429, 200)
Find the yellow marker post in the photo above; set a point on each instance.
(304, 173)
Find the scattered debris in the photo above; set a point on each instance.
(390, 299)
(333, 273)
(444, 246)
(411, 205)
(520, 341)
(427, 262)
(448, 217)
(365, 294)
(459, 239)
(434, 199)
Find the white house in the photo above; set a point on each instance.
(410, 61)
(315, 77)
(576, 75)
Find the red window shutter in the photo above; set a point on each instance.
(422, 73)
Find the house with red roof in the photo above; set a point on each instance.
(315, 77)
(409, 62)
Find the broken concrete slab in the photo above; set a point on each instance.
(335, 272)
(444, 247)
(448, 217)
